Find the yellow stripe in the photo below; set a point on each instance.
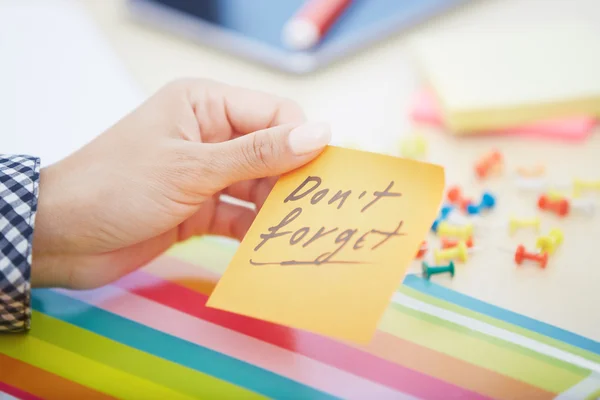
(134, 361)
(478, 351)
(204, 251)
(83, 370)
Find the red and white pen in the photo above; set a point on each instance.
(309, 25)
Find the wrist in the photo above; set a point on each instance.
(46, 246)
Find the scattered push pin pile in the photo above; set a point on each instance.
(454, 225)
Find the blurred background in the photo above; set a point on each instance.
(439, 80)
(364, 77)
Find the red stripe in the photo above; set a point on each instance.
(18, 393)
(311, 345)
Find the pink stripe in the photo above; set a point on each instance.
(16, 392)
(286, 363)
(322, 349)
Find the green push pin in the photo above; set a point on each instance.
(430, 270)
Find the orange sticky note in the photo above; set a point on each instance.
(332, 243)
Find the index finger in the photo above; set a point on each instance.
(224, 112)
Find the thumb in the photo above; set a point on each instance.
(271, 152)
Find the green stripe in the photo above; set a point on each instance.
(496, 341)
(133, 361)
(482, 350)
(499, 323)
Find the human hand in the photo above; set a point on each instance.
(155, 178)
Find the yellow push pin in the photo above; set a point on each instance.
(463, 232)
(555, 194)
(549, 243)
(518, 223)
(459, 252)
(580, 185)
(414, 147)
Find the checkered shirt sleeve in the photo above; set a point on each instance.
(19, 176)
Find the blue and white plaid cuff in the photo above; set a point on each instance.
(19, 178)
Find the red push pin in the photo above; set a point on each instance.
(489, 163)
(422, 250)
(558, 206)
(521, 254)
(455, 197)
(449, 243)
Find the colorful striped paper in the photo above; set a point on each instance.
(149, 335)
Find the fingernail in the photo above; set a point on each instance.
(309, 137)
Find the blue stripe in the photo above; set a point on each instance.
(451, 296)
(169, 347)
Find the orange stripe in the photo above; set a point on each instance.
(42, 383)
(452, 370)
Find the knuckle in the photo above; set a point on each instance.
(262, 150)
(289, 111)
(177, 85)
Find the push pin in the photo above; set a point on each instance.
(554, 195)
(434, 270)
(491, 162)
(413, 147)
(455, 197)
(445, 211)
(521, 254)
(517, 223)
(449, 243)
(559, 207)
(463, 232)
(459, 252)
(488, 201)
(580, 185)
(422, 250)
(549, 243)
(534, 171)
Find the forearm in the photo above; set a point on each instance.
(19, 178)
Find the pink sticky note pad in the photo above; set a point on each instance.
(427, 110)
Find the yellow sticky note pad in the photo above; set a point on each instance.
(332, 243)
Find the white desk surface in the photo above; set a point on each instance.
(366, 98)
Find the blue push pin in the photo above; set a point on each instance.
(488, 201)
(443, 215)
(434, 270)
